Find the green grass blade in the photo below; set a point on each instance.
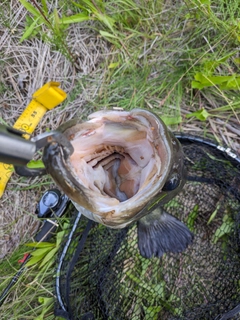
(29, 31)
(31, 8)
(76, 18)
(44, 6)
(106, 34)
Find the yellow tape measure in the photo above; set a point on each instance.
(44, 99)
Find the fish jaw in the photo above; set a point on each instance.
(120, 164)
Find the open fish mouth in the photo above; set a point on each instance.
(121, 162)
(125, 166)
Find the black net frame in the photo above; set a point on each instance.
(101, 274)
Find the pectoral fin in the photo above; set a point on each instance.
(159, 232)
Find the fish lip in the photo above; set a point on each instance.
(131, 207)
(56, 161)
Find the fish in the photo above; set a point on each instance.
(125, 166)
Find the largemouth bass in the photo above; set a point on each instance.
(125, 166)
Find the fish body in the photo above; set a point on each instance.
(125, 166)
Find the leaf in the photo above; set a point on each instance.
(213, 215)
(224, 82)
(233, 83)
(192, 217)
(108, 21)
(107, 34)
(29, 31)
(40, 252)
(33, 260)
(201, 115)
(236, 60)
(31, 9)
(81, 6)
(211, 65)
(40, 244)
(217, 159)
(45, 301)
(46, 306)
(59, 237)
(151, 313)
(35, 164)
(38, 255)
(133, 277)
(230, 106)
(48, 257)
(207, 2)
(113, 65)
(90, 6)
(224, 229)
(56, 20)
(171, 120)
(44, 7)
(160, 289)
(145, 264)
(76, 18)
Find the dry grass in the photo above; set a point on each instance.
(24, 69)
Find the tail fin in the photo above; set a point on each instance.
(159, 232)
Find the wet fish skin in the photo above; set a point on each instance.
(60, 168)
(158, 232)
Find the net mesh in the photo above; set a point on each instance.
(105, 277)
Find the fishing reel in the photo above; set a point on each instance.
(51, 206)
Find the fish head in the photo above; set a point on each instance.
(124, 165)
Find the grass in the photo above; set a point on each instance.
(23, 303)
(32, 297)
(178, 59)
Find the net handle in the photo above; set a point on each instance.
(59, 267)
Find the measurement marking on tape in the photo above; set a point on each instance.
(44, 99)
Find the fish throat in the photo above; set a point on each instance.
(120, 157)
(122, 174)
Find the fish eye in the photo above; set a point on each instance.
(172, 183)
